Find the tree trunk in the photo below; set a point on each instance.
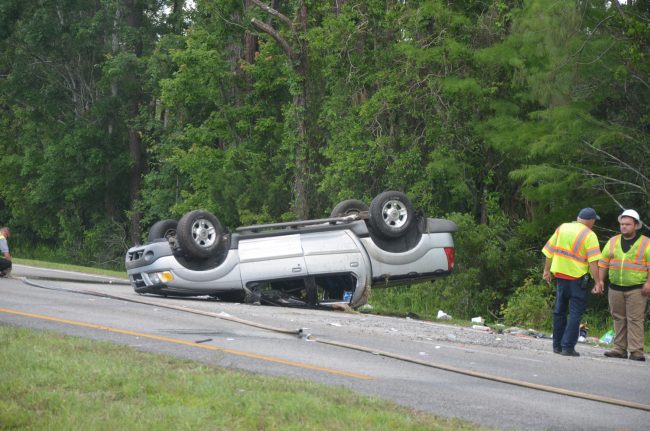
(303, 152)
(134, 16)
(297, 51)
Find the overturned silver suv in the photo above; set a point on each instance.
(325, 263)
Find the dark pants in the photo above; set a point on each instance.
(569, 294)
(4, 264)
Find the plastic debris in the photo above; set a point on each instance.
(365, 308)
(515, 330)
(338, 325)
(608, 337)
(518, 332)
(478, 320)
(482, 328)
(443, 316)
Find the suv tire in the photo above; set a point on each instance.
(391, 214)
(163, 229)
(347, 207)
(199, 234)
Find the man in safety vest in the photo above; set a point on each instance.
(5, 256)
(571, 253)
(626, 260)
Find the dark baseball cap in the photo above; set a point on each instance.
(588, 214)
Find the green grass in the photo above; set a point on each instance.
(56, 382)
(86, 269)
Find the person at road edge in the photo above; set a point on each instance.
(572, 253)
(5, 259)
(626, 261)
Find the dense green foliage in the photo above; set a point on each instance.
(504, 115)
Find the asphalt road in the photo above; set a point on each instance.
(47, 299)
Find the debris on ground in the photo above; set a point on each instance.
(443, 316)
(366, 308)
(478, 320)
(608, 337)
(342, 307)
(519, 332)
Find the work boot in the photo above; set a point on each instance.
(637, 356)
(571, 352)
(557, 350)
(616, 354)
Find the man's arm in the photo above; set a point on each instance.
(646, 286)
(596, 275)
(7, 255)
(547, 270)
(599, 288)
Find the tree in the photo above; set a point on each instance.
(72, 89)
(296, 50)
(579, 120)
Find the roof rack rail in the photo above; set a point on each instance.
(300, 223)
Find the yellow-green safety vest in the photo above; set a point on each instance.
(571, 248)
(626, 269)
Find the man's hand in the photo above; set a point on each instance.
(547, 276)
(646, 288)
(599, 288)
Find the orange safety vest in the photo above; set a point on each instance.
(626, 269)
(571, 248)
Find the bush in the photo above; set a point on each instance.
(531, 305)
(459, 295)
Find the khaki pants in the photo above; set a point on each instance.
(628, 311)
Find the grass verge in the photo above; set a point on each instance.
(58, 382)
(64, 266)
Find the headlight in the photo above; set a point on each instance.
(153, 277)
(166, 276)
(160, 277)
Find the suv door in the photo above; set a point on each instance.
(331, 253)
(271, 258)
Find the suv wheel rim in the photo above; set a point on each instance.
(203, 233)
(394, 214)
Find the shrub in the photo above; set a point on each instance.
(531, 305)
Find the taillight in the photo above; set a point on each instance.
(451, 255)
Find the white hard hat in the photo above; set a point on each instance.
(634, 215)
